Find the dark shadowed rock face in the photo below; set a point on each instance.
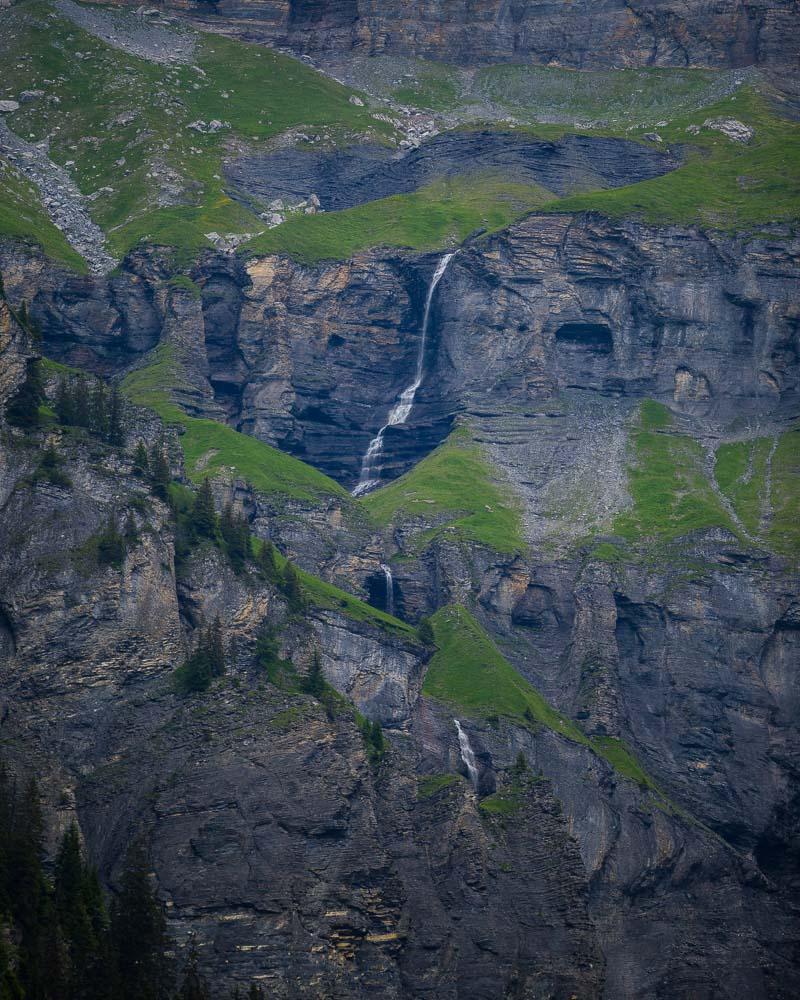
(578, 35)
(342, 179)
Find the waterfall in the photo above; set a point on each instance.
(401, 410)
(389, 588)
(467, 755)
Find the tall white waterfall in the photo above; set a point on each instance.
(387, 573)
(467, 755)
(399, 413)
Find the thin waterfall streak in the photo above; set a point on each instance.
(467, 755)
(401, 410)
(387, 575)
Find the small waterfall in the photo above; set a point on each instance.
(401, 410)
(387, 573)
(467, 755)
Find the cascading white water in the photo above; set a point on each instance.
(401, 410)
(467, 755)
(387, 573)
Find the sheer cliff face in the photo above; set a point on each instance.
(556, 309)
(274, 839)
(578, 35)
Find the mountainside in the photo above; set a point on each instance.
(578, 35)
(399, 508)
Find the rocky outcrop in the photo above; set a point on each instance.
(345, 178)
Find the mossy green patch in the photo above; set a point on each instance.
(784, 531)
(456, 486)
(430, 784)
(441, 213)
(740, 471)
(620, 97)
(608, 552)
(288, 719)
(622, 759)
(672, 496)
(504, 804)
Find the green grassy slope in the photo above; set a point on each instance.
(667, 481)
(455, 481)
(22, 217)
(123, 121)
(470, 675)
(444, 211)
(724, 184)
(760, 478)
(784, 530)
(740, 470)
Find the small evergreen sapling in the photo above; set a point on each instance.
(141, 463)
(204, 513)
(23, 410)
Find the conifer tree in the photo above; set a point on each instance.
(292, 588)
(193, 986)
(266, 561)
(425, 632)
(81, 918)
(159, 472)
(111, 544)
(235, 531)
(215, 648)
(315, 683)
(65, 403)
(98, 410)
(376, 738)
(23, 409)
(82, 403)
(138, 934)
(204, 513)
(130, 532)
(116, 418)
(141, 464)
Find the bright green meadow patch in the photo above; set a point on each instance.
(457, 481)
(471, 676)
(441, 213)
(667, 481)
(724, 184)
(469, 673)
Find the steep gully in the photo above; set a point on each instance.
(400, 412)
